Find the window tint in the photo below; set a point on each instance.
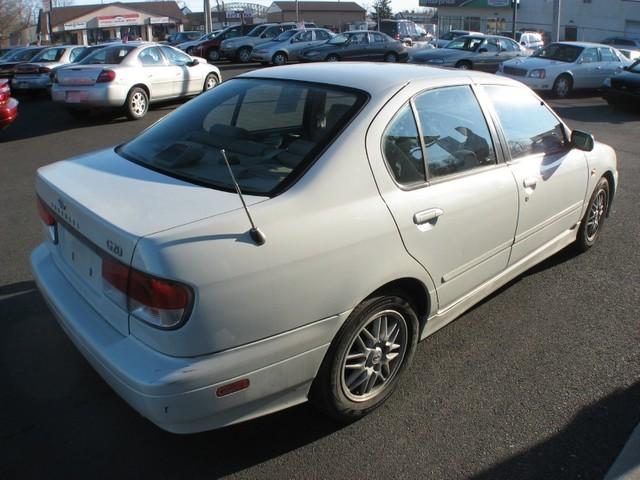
(75, 53)
(508, 45)
(305, 36)
(175, 57)
(358, 38)
(590, 55)
(454, 131)
(376, 38)
(491, 45)
(528, 124)
(402, 150)
(322, 35)
(108, 55)
(271, 32)
(151, 56)
(267, 128)
(607, 55)
(49, 55)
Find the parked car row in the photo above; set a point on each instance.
(117, 75)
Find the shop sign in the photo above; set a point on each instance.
(158, 20)
(75, 26)
(118, 20)
(499, 3)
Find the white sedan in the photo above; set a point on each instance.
(562, 67)
(131, 76)
(294, 233)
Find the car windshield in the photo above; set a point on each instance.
(339, 39)
(21, 54)
(49, 55)
(108, 55)
(270, 130)
(257, 31)
(635, 68)
(465, 43)
(286, 35)
(560, 52)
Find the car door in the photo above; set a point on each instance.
(587, 71)
(188, 80)
(299, 42)
(356, 48)
(551, 175)
(160, 77)
(454, 202)
(611, 64)
(508, 49)
(377, 46)
(488, 57)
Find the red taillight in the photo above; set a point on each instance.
(397, 36)
(44, 70)
(45, 214)
(106, 76)
(161, 303)
(234, 387)
(5, 91)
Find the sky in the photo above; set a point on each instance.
(197, 5)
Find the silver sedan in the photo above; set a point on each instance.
(132, 76)
(289, 44)
(35, 75)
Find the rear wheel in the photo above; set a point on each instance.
(562, 86)
(593, 219)
(332, 58)
(279, 58)
(364, 362)
(464, 65)
(244, 54)
(391, 57)
(137, 103)
(209, 82)
(213, 55)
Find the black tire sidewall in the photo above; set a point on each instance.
(327, 392)
(217, 55)
(555, 85)
(332, 58)
(391, 57)
(273, 59)
(206, 80)
(248, 54)
(467, 65)
(582, 241)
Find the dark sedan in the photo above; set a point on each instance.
(21, 55)
(472, 52)
(623, 89)
(357, 45)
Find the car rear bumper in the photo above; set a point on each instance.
(36, 82)
(8, 112)
(98, 95)
(180, 394)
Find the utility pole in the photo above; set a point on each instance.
(555, 33)
(207, 16)
(515, 18)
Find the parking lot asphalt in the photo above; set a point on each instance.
(539, 381)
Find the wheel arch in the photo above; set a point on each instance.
(612, 190)
(464, 60)
(142, 86)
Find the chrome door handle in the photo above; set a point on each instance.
(425, 216)
(530, 182)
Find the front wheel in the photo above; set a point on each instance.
(593, 219)
(463, 65)
(213, 55)
(279, 58)
(209, 82)
(391, 57)
(332, 58)
(137, 103)
(364, 362)
(562, 86)
(244, 55)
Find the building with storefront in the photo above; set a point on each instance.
(336, 15)
(584, 20)
(90, 24)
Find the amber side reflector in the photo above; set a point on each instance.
(230, 388)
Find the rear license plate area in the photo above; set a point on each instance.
(86, 263)
(77, 97)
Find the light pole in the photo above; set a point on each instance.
(557, 5)
(515, 17)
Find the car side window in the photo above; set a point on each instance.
(508, 45)
(590, 55)
(490, 45)
(305, 36)
(529, 126)
(358, 39)
(74, 53)
(607, 55)
(272, 32)
(454, 131)
(402, 150)
(322, 35)
(151, 56)
(175, 57)
(376, 38)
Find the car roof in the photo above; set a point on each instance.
(584, 44)
(366, 75)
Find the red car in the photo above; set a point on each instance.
(8, 105)
(210, 49)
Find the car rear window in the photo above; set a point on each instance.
(108, 55)
(271, 132)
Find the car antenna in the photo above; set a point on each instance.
(255, 232)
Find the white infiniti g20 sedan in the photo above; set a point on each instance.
(293, 233)
(131, 76)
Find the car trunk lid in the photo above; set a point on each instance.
(81, 75)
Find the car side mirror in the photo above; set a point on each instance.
(193, 62)
(523, 43)
(582, 140)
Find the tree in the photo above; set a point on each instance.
(15, 15)
(381, 9)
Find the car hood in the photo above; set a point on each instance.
(535, 62)
(628, 79)
(103, 195)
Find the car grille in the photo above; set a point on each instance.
(517, 72)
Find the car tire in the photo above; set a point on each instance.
(332, 58)
(79, 113)
(244, 55)
(210, 81)
(279, 58)
(464, 65)
(213, 55)
(562, 86)
(137, 103)
(391, 57)
(379, 338)
(593, 220)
